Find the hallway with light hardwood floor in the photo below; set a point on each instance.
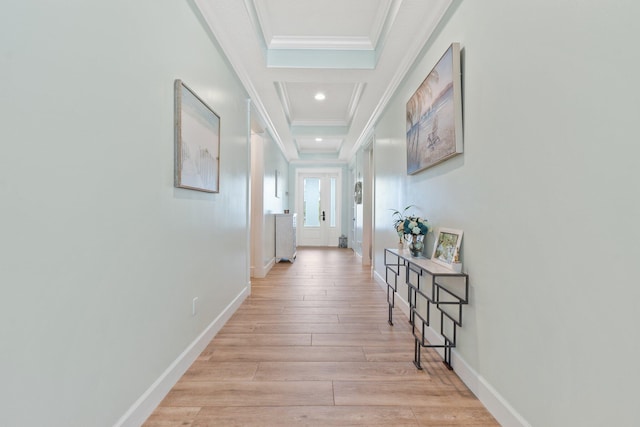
(311, 347)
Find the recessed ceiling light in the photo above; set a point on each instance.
(320, 96)
(318, 139)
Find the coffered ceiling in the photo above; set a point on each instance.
(354, 52)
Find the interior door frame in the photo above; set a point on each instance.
(339, 197)
(367, 205)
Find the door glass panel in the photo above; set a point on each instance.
(332, 204)
(311, 202)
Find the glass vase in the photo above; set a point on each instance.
(415, 244)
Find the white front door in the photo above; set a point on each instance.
(318, 207)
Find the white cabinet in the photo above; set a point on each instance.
(285, 237)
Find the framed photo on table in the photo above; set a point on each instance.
(446, 246)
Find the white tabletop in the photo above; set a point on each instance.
(424, 263)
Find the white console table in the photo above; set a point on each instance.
(286, 247)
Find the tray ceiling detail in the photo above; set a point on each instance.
(355, 52)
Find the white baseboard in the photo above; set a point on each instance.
(269, 266)
(379, 280)
(498, 406)
(261, 272)
(151, 398)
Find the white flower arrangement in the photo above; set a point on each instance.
(408, 224)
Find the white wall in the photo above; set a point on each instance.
(274, 160)
(546, 193)
(100, 256)
(258, 267)
(267, 158)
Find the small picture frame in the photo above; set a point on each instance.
(447, 244)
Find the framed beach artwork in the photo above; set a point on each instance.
(446, 246)
(197, 142)
(434, 115)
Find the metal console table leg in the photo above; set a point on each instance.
(448, 292)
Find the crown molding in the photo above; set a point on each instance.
(401, 72)
(242, 74)
(320, 43)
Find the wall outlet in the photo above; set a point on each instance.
(193, 306)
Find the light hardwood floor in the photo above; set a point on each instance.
(311, 347)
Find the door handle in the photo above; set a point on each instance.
(323, 218)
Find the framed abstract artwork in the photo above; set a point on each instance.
(434, 115)
(197, 142)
